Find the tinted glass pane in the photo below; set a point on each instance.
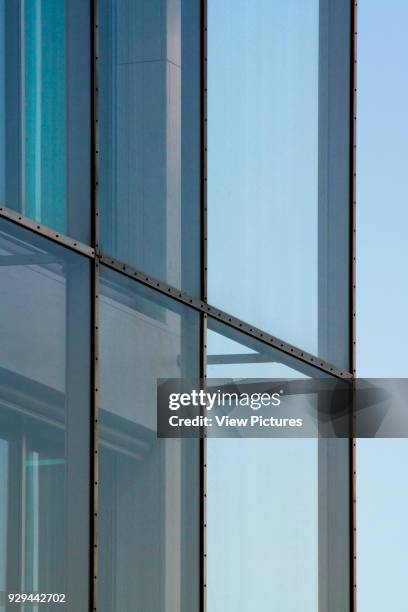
(278, 159)
(45, 166)
(44, 418)
(268, 500)
(382, 325)
(149, 488)
(150, 136)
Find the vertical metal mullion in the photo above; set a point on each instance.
(203, 477)
(21, 106)
(204, 272)
(353, 466)
(95, 438)
(95, 302)
(353, 191)
(204, 245)
(96, 126)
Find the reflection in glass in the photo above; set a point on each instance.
(268, 501)
(150, 137)
(44, 417)
(44, 104)
(45, 126)
(149, 488)
(278, 164)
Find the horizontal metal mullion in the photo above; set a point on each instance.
(174, 293)
(43, 230)
(226, 318)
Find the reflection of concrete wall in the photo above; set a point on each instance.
(135, 349)
(141, 509)
(147, 77)
(142, 497)
(32, 337)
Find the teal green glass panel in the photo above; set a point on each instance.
(45, 189)
(45, 112)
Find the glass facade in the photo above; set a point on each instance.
(149, 488)
(278, 179)
(246, 477)
(263, 98)
(150, 137)
(45, 98)
(185, 147)
(267, 519)
(45, 379)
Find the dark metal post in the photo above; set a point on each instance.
(204, 274)
(353, 302)
(95, 300)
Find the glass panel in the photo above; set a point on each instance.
(278, 168)
(268, 501)
(44, 418)
(382, 325)
(150, 137)
(46, 124)
(44, 103)
(149, 488)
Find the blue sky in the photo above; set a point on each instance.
(382, 293)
